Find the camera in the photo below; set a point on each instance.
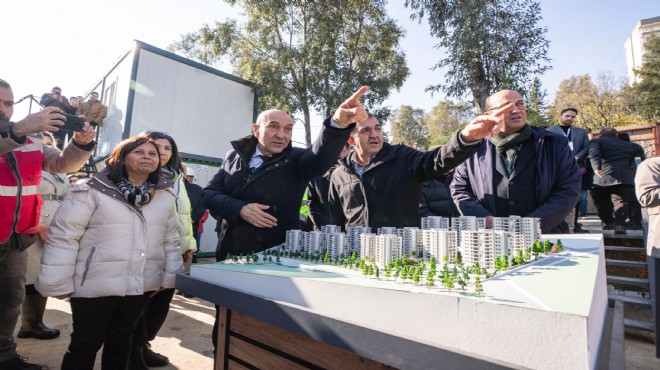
(72, 123)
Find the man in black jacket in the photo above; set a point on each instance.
(614, 178)
(318, 190)
(379, 184)
(262, 180)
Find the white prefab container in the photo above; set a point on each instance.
(202, 108)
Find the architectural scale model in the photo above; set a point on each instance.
(558, 295)
(440, 238)
(463, 247)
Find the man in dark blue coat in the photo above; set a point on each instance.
(262, 180)
(523, 170)
(614, 178)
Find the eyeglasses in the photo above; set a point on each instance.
(520, 104)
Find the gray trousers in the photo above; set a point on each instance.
(13, 265)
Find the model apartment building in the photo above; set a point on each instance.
(440, 238)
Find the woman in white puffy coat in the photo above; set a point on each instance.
(155, 314)
(113, 242)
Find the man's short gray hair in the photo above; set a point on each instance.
(4, 84)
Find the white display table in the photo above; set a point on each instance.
(549, 314)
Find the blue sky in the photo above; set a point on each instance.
(72, 44)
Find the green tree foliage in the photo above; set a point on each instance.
(446, 118)
(537, 104)
(306, 55)
(647, 90)
(491, 44)
(478, 287)
(605, 102)
(409, 128)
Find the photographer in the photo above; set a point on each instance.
(55, 99)
(22, 158)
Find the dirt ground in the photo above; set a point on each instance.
(185, 338)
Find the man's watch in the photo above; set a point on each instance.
(5, 128)
(7, 131)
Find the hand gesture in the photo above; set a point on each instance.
(42, 229)
(351, 110)
(255, 215)
(85, 136)
(187, 256)
(488, 124)
(49, 119)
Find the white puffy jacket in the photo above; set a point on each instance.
(100, 245)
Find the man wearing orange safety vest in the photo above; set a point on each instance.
(22, 158)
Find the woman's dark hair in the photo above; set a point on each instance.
(115, 161)
(175, 160)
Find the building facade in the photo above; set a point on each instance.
(635, 45)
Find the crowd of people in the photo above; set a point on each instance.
(92, 110)
(112, 244)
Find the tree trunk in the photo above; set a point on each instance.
(308, 126)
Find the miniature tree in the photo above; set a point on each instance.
(326, 258)
(505, 261)
(461, 282)
(459, 257)
(354, 256)
(432, 262)
(445, 259)
(416, 276)
(547, 246)
(277, 258)
(528, 254)
(430, 281)
(498, 263)
(413, 254)
(519, 257)
(448, 282)
(364, 268)
(478, 288)
(476, 268)
(537, 247)
(388, 272)
(559, 245)
(397, 273)
(377, 272)
(270, 259)
(466, 275)
(370, 270)
(444, 274)
(234, 258)
(229, 257)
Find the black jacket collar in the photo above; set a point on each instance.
(246, 146)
